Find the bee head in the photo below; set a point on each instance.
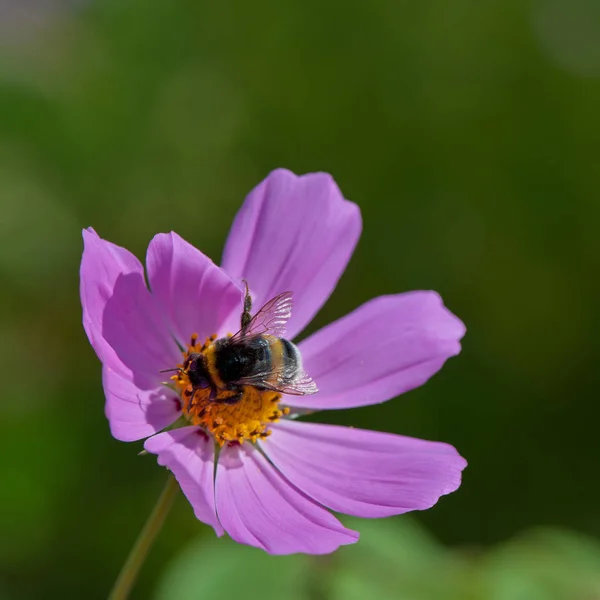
(195, 367)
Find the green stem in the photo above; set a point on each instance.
(142, 546)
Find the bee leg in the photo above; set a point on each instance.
(191, 396)
(213, 394)
(233, 399)
(239, 392)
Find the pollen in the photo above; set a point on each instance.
(247, 419)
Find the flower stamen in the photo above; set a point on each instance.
(247, 419)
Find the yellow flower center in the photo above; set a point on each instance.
(247, 419)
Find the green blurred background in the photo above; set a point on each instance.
(469, 134)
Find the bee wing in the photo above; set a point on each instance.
(302, 385)
(271, 318)
(278, 381)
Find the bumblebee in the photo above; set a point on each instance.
(257, 355)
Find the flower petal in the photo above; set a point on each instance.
(386, 347)
(197, 296)
(125, 328)
(120, 316)
(258, 507)
(363, 473)
(135, 413)
(137, 332)
(293, 234)
(189, 454)
(101, 264)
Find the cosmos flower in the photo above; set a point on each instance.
(251, 469)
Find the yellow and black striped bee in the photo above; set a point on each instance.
(257, 355)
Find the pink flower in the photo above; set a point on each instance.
(292, 233)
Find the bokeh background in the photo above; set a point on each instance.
(469, 134)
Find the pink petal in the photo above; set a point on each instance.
(135, 413)
(131, 339)
(138, 333)
(189, 454)
(102, 263)
(120, 316)
(386, 347)
(258, 507)
(363, 473)
(197, 296)
(293, 234)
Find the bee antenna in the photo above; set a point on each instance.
(247, 306)
(171, 370)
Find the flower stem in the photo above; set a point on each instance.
(142, 546)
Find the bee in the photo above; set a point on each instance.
(257, 355)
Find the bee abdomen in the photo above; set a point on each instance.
(291, 360)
